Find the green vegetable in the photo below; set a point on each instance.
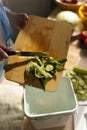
(80, 70)
(40, 69)
(44, 68)
(78, 77)
(49, 67)
(38, 74)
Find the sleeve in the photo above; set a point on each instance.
(5, 8)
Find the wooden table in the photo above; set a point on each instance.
(77, 55)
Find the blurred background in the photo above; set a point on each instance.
(35, 7)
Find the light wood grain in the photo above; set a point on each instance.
(40, 34)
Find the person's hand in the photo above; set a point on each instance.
(20, 20)
(3, 54)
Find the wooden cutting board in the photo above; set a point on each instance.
(40, 34)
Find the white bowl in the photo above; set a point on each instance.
(50, 109)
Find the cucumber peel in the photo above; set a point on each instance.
(80, 70)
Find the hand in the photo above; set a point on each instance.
(18, 19)
(3, 54)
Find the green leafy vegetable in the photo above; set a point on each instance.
(44, 68)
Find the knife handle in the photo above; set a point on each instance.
(10, 52)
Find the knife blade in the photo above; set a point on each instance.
(25, 53)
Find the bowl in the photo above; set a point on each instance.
(50, 109)
(82, 13)
(69, 6)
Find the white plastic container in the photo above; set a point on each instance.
(50, 109)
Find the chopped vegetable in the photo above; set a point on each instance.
(41, 70)
(49, 67)
(80, 70)
(44, 68)
(78, 77)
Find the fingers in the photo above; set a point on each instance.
(26, 16)
(21, 20)
(4, 47)
(3, 54)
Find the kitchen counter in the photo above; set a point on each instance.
(77, 55)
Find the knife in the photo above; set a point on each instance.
(25, 53)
